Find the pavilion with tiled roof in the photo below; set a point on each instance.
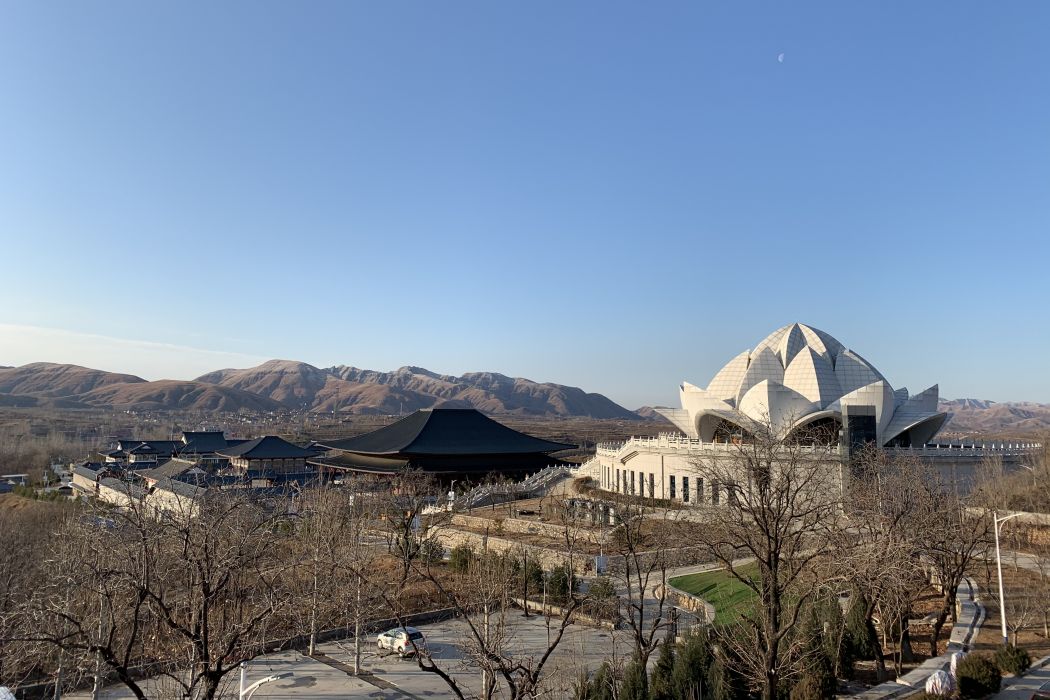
(452, 443)
(269, 458)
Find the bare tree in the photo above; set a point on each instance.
(409, 501)
(646, 545)
(877, 552)
(955, 539)
(24, 532)
(482, 600)
(782, 500)
(321, 529)
(185, 596)
(356, 594)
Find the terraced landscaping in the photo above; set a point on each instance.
(730, 597)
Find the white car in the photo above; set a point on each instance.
(401, 640)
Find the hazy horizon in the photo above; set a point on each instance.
(152, 358)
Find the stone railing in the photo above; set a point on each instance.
(673, 442)
(684, 444)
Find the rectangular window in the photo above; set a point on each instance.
(714, 492)
(685, 489)
(632, 483)
(617, 480)
(699, 489)
(672, 488)
(652, 485)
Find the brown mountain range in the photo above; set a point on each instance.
(353, 390)
(48, 380)
(169, 394)
(283, 384)
(1007, 419)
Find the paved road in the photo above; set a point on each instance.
(581, 648)
(1022, 689)
(312, 679)
(389, 677)
(1024, 561)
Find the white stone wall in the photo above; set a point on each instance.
(664, 476)
(653, 459)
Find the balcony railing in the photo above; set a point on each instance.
(669, 441)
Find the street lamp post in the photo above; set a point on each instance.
(247, 691)
(996, 522)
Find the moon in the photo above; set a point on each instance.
(780, 58)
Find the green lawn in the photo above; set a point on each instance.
(730, 597)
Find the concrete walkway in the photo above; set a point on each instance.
(970, 619)
(1021, 688)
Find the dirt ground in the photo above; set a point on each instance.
(920, 630)
(1033, 637)
(1034, 617)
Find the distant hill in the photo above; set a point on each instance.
(48, 380)
(286, 384)
(649, 413)
(990, 417)
(170, 394)
(353, 390)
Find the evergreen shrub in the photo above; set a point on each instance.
(978, 676)
(1011, 659)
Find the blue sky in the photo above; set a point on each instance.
(612, 195)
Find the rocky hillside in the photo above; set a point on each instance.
(169, 394)
(978, 416)
(353, 390)
(283, 384)
(48, 380)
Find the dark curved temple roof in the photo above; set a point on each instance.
(268, 447)
(446, 431)
(204, 441)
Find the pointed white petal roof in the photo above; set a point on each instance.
(773, 404)
(853, 371)
(811, 375)
(794, 373)
(727, 381)
(764, 366)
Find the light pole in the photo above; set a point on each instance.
(996, 522)
(247, 691)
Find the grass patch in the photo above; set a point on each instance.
(729, 596)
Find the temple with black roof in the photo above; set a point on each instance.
(270, 461)
(451, 443)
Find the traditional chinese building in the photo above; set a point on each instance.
(452, 443)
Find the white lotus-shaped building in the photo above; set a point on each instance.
(800, 378)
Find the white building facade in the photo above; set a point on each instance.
(804, 387)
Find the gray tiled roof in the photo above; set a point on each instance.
(267, 447)
(132, 490)
(86, 472)
(172, 468)
(180, 487)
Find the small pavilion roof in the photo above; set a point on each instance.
(446, 431)
(266, 447)
(163, 447)
(203, 442)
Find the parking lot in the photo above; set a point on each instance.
(388, 676)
